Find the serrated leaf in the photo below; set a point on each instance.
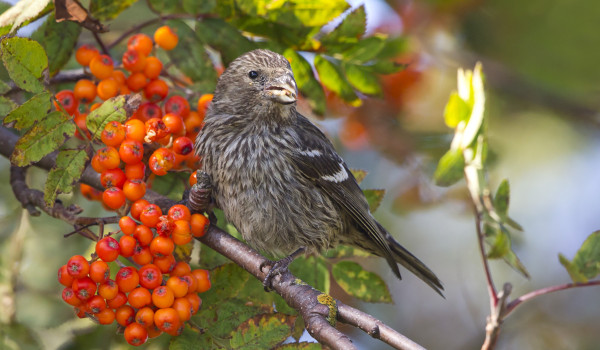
(190, 339)
(294, 13)
(573, 270)
(374, 198)
(110, 110)
(359, 174)
(365, 50)
(105, 10)
(209, 258)
(312, 270)
(262, 332)
(362, 80)
(282, 306)
(587, 259)
(198, 6)
(22, 13)
(306, 80)
(224, 38)
(43, 138)
(300, 346)
(58, 39)
(351, 28)
(30, 112)
(230, 314)
(6, 106)
(450, 168)
(226, 282)
(456, 111)
(190, 57)
(65, 173)
(362, 284)
(4, 88)
(332, 78)
(393, 47)
(25, 60)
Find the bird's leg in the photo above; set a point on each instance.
(278, 267)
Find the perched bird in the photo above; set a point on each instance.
(276, 176)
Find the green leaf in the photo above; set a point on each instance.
(190, 57)
(359, 174)
(295, 13)
(6, 106)
(312, 270)
(110, 110)
(500, 244)
(58, 39)
(360, 283)
(282, 306)
(587, 260)
(502, 197)
(4, 88)
(331, 77)
(25, 60)
(374, 198)
(450, 168)
(67, 172)
(171, 185)
(224, 38)
(351, 28)
(393, 47)
(166, 6)
(365, 50)
(572, 269)
(43, 138)
(385, 67)
(362, 80)
(262, 332)
(18, 337)
(456, 111)
(511, 259)
(190, 339)
(344, 251)
(210, 258)
(198, 6)
(226, 283)
(300, 346)
(22, 13)
(30, 112)
(105, 10)
(307, 83)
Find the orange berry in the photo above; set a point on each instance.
(142, 255)
(135, 130)
(127, 279)
(112, 178)
(139, 297)
(131, 151)
(113, 197)
(96, 304)
(99, 271)
(166, 38)
(183, 307)
(137, 81)
(134, 189)
(101, 66)
(153, 67)
(107, 248)
(125, 315)
(203, 279)
(156, 90)
(107, 88)
(119, 77)
(179, 212)
(165, 264)
(85, 90)
(148, 110)
(78, 266)
(85, 54)
(137, 207)
(134, 61)
(161, 246)
(181, 268)
(67, 100)
(178, 285)
(203, 103)
(108, 290)
(143, 234)
(195, 300)
(135, 170)
(198, 224)
(161, 161)
(174, 123)
(140, 43)
(127, 246)
(177, 105)
(119, 300)
(106, 316)
(145, 317)
(113, 134)
(136, 334)
(63, 276)
(108, 157)
(167, 319)
(150, 276)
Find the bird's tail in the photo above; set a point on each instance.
(411, 263)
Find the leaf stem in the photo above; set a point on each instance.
(536, 293)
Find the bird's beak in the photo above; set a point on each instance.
(282, 89)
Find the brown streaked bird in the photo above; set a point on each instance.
(276, 176)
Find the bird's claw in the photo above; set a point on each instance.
(277, 269)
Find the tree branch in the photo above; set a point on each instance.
(318, 310)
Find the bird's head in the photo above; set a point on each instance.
(258, 80)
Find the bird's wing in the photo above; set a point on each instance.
(317, 160)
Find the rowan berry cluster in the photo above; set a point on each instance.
(152, 292)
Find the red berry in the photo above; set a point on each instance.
(107, 249)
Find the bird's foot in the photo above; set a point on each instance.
(278, 268)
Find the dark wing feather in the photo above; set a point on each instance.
(317, 160)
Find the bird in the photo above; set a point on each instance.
(278, 178)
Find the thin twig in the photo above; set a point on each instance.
(103, 47)
(536, 293)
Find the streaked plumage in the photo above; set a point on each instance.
(278, 178)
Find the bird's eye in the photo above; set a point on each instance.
(253, 74)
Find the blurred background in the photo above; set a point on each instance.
(540, 63)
